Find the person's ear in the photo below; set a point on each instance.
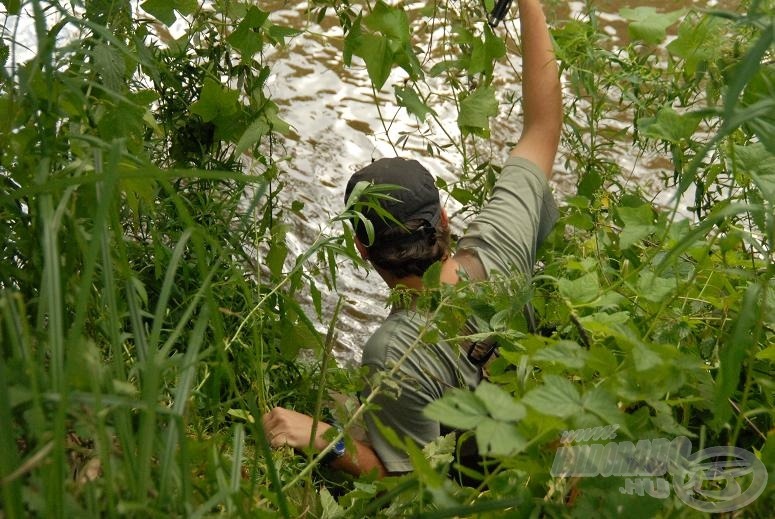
(362, 249)
(444, 218)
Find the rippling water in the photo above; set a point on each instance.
(338, 130)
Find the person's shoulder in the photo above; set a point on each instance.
(389, 340)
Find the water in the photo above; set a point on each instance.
(338, 130)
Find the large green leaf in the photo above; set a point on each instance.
(638, 224)
(457, 408)
(476, 110)
(247, 37)
(497, 438)
(215, 101)
(376, 52)
(390, 21)
(557, 396)
(164, 10)
(670, 126)
(582, 290)
(500, 404)
(647, 25)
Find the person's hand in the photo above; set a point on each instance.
(286, 427)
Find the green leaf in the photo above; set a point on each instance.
(378, 57)
(330, 508)
(278, 33)
(757, 162)
(697, 42)
(670, 126)
(278, 250)
(215, 101)
(500, 404)
(476, 110)
(12, 6)
(163, 10)
(733, 351)
(638, 224)
(252, 134)
(485, 52)
(602, 404)
(109, 64)
(409, 99)
(496, 438)
(557, 396)
(565, 353)
(644, 358)
(582, 290)
(390, 21)
(647, 25)
(247, 37)
(654, 288)
(457, 408)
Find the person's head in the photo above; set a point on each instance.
(422, 236)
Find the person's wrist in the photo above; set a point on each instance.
(337, 449)
(320, 436)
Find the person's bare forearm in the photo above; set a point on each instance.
(288, 427)
(541, 94)
(363, 461)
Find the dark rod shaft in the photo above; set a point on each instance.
(498, 12)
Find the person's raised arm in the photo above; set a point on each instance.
(541, 95)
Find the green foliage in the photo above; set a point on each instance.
(142, 337)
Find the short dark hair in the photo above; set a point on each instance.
(412, 249)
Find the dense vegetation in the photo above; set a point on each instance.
(149, 309)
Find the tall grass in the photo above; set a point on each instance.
(141, 342)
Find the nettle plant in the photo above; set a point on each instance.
(142, 338)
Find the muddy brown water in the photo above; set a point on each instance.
(338, 129)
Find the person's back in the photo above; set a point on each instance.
(504, 237)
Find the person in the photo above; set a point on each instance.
(503, 237)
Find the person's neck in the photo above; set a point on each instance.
(449, 268)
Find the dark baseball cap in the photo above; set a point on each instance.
(417, 197)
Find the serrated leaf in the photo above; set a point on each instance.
(476, 110)
(557, 396)
(697, 42)
(458, 409)
(565, 353)
(164, 10)
(409, 99)
(109, 64)
(496, 438)
(582, 290)
(500, 404)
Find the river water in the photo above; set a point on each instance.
(338, 129)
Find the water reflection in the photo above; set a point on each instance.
(338, 130)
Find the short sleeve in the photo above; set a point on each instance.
(515, 221)
(425, 373)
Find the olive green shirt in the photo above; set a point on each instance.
(505, 236)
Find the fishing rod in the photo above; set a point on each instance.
(498, 12)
